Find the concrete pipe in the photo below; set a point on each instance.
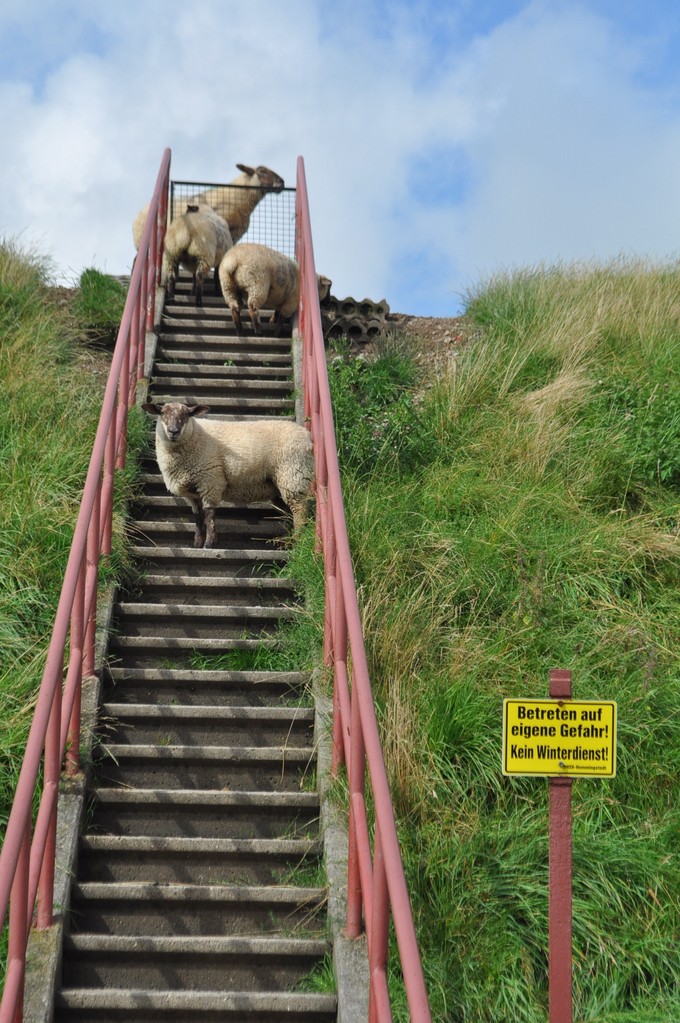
(355, 329)
(336, 329)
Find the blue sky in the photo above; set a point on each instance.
(443, 141)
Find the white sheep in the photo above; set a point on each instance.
(209, 461)
(237, 204)
(262, 278)
(234, 204)
(198, 240)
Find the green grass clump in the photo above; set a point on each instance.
(533, 523)
(98, 304)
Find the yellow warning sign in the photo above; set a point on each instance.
(559, 737)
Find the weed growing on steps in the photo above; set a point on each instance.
(529, 521)
(320, 980)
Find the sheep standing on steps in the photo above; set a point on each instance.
(209, 461)
(262, 278)
(198, 240)
(237, 204)
(234, 204)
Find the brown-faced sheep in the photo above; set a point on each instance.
(235, 204)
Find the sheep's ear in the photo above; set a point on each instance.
(198, 410)
(152, 408)
(244, 167)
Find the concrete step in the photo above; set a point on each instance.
(190, 963)
(116, 1005)
(210, 387)
(166, 645)
(197, 688)
(214, 561)
(206, 336)
(152, 488)
(196, 861)
(241, 768)
(223, 590)
(241, 368)
(149, 908)
(136, 724)
(215, 357)
(262, 403)
(137, 618)
(178, 528)
(203, 813)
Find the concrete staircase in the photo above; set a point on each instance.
(199, 893)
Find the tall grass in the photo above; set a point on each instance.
(522, 514)
(52, 386)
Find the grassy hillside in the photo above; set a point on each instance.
(517, 514)
(522, 514)
(52, 387)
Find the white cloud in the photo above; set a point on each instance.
(431, 156)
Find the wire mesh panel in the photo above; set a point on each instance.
(272, 216)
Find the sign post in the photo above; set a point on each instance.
(560, 881)
(559, 738)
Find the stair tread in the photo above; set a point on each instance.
(221, 382)
(221, 340)
(217, 373)
(117, 751)
(235, 846)
(205, 797)
(189, 643)
(178, 711)
(183, 944)
(220, 582)
(198, 675)
(141, 891)
(277, 1001)
(174, 609)
(210, 553)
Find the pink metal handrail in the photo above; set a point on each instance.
(27, 858)
(376, 882)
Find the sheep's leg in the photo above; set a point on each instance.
(277, 319)
(170, 279)
(201, 270)
(236, 316)
(216, 281)
(298, 506)
(199, 531)
(211, 532)
(199, 520)
(252, 309)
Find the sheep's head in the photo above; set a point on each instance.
(268, 180)
(324, 285)
(174, 416)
